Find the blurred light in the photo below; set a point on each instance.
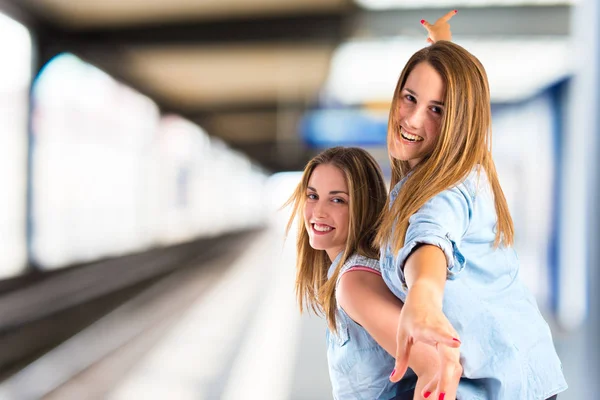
(367, 71)
(15, 44)
(15, 78)
(89, 161)
(196, 177)
(390, 4)
(182, 152)
(352, 127)
(280, 187)
(579, 155)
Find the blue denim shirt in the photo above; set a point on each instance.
(358, 367)
(507, 350)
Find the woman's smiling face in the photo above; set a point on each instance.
(420, 114)
(326, 211)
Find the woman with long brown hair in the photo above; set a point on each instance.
(446, 237)
(336, 206)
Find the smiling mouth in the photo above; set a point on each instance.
(322, 229)
(410, 137)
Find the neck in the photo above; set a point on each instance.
(333, 253)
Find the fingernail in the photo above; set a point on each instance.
(393, 372)
(422, 21)
(427, 394)
(455, 11)
(456, 340)
(442, 395)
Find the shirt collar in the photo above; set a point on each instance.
(334, 264)
(396, 189)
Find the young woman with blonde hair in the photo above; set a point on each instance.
(337, 205)
(446, 237)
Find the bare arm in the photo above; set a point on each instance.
(425, 273)
(365, 297)
(423, 321)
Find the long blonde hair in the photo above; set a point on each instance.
(368, 194)
(463, 143)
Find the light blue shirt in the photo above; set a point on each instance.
(358, 367)
(507, 351)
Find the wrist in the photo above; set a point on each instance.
(424, 291)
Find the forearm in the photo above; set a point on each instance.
(382, 325)
(367, 300)
(425, 274)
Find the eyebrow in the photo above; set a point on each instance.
(332, 192)
(438, 103)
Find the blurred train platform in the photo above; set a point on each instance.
(222, 328)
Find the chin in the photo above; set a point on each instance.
(316, 246)
(393, 153)
(397, 153)
(398, 156)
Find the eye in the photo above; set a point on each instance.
(437, 110)
(338, 200)
(312, 196)
(410, 98)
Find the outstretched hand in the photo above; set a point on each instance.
(440, 30)
(423, 322)
(432, 385)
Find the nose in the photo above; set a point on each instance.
(320, 210)
(415, 118)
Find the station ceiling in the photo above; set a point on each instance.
(246, 70)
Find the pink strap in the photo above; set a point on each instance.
(363, 268)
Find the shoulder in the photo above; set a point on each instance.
(359, 280)
(357, 286)
(476, 183)
(451, 210)
(464, 193)
(359, 262)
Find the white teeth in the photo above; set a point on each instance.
(408, 136)
(322, 228)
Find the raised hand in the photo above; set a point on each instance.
(440, 30)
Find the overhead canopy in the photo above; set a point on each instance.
(246, 71)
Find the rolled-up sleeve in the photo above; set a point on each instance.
(441, 222)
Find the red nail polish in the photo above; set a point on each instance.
(442, 395)
(456, 340)
(422, 21)
(455, 11)
(427, 394)
(393, 372)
